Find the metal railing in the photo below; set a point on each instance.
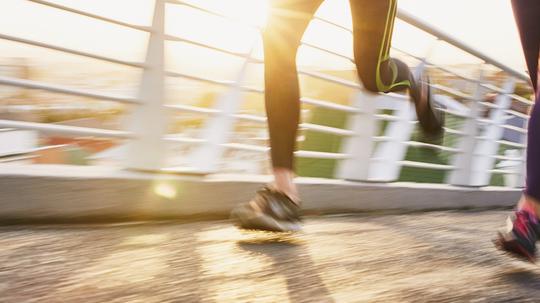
(375, 142)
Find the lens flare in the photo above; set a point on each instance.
(165, 190)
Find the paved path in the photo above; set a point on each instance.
(428, 257)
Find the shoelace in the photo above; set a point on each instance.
(278, 204)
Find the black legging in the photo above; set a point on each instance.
(527, 14)
(373, 22)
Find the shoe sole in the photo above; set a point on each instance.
(248, 220)
(513, 250)
(431, 120)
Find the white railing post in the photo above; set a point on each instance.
(386, 165)
(521, 169)
(147, 121)
(514, 167)
(488, 147)
(217, 129)
(463, 160)
(359, 147)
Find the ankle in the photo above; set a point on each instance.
(529, 204)
(291, 193)
(284, 183)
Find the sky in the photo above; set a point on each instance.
(486, 25)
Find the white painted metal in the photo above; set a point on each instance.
(360, 147)
(474, 156)
(521, 169)
(482, 162)
(208, 46)
(427, 165)
(211, 12)
(70, 51)
(512, 168)
(148, 121)
(50, 128)
(328, 78)
(87, 14)
(217, 130)
(463, 161)
(64, 90)
(17, 142)
(389, 154)
(414, 21)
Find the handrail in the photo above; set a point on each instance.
(29, 84)
(90, 15)
(441, 35)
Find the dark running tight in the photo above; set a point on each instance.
(527, 14)
(373, 22)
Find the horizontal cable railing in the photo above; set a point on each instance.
(93, 16)
(70, 51)
(407, 17)
(66, 130)
(64, 90)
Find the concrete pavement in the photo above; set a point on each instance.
(422, 257)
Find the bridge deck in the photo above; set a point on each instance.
(423, 257)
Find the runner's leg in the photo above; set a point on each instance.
(524, 230)
(286, 25)
(373, 24)
(527, 14)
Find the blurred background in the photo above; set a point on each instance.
(93, 92)
(51, 43)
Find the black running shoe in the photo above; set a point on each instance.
(431, 119)
(269, 210)
(520, 239)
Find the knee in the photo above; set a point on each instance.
(370, 85)
(367, 75)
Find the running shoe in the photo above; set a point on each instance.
(520, 238)
(269, 210)
(430, 117)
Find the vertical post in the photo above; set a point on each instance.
(521, 169)
(359, 147)
(386, 166)
(205, 158)
(147, 121)
(488, 147)
(463, 161)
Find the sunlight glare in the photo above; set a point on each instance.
(165, 190)
(255, 12)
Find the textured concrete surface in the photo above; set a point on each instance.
(67, 192)
(425, 257)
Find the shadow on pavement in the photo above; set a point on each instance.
(523, 278)
(303, 281)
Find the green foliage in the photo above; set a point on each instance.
(316, 141)
(323, 168)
